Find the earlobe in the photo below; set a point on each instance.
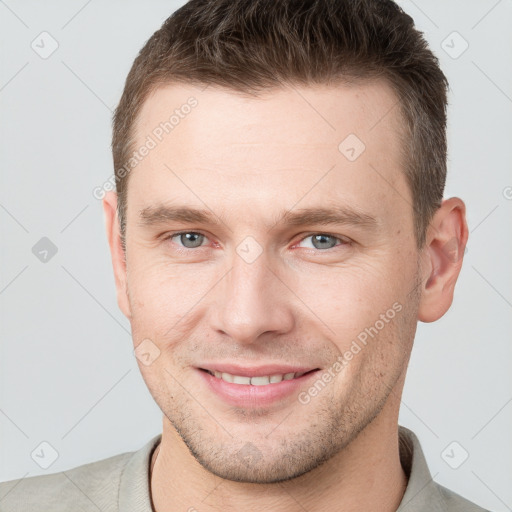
(442, 259)
(116, 251)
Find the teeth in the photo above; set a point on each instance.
(240, 380)
(260, 381)
(255, 381)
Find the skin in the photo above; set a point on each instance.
(247, 159)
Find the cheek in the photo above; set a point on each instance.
(343, 298)
(357, 301)
(164, 297)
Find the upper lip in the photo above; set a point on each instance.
(256, 371)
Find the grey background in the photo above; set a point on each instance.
(67, 371)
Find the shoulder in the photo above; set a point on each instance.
(87, 487)
(456, 503)
(423, 493)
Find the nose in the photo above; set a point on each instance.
(253, 300)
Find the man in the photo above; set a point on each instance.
(278, 230)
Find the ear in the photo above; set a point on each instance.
(116, 251)
(442, 256)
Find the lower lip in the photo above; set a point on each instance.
(247, 395)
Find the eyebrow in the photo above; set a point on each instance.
(155, 215)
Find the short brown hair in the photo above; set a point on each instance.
(252, 45)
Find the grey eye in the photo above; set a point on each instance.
(321, 241)
(190, 240)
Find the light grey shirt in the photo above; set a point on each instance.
(121, 483)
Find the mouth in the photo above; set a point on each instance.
(256, 380)
(255, 388)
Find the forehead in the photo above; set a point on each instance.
(317, 114)
(225, 143)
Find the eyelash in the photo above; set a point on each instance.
(343, 241)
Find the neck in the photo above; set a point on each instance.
(366, 475)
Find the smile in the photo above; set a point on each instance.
(262, 380)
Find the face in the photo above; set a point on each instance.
(271, 239)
